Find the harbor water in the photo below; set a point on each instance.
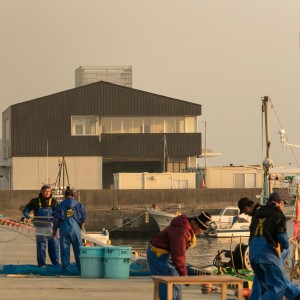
(200, 256)
(204, 252)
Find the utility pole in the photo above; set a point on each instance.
(267, 163)
(165, 154)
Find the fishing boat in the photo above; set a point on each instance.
(240, 228)
(228, 216)
(162, 218)
(229, 223)
(100, 238)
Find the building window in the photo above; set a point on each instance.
(159, 125)
(147, 124)
(190, 124)
(7, 130)
(231, 212)
(180, 184)
(137, 125)
(245, 180)
(127, 125)
(84, 125)
(6, 153)
(116, 125)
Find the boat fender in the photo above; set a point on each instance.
(212, 227)
(207, 288)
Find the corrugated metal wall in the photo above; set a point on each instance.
(43, 126)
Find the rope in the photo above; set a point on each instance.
(128, 222)
(19, 233)
(8, 241)
(234, 138)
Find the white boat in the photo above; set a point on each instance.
(229, 223)
(162, 218)
(226, 217)
(97, 238)
(237, 229)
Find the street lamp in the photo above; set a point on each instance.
(283, 139)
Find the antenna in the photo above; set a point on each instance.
(47, 162)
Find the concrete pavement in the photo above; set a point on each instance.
(17, 248)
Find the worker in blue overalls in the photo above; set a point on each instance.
(43, 208)
(268, 243)
(69, 216)
(249, 207)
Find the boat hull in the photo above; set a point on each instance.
(162, 218)
(228, 233)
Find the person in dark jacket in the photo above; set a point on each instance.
(43, 207)
(268, 240)
(292, 291)
(69, 216)
(166, 251)
(247, 206)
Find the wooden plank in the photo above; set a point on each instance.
(156, 290)
(224, 291)
(221, 279)
(170, 291)
(202, 278)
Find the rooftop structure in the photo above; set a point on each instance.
(121, 75)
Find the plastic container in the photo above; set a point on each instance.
(117, 261)
(91, 261)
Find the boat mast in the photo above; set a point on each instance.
(267, 163)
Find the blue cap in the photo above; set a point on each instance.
(277, 197)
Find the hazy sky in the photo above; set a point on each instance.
(224, 55)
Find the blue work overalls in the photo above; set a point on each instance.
(69, 230)
(291, 291)
(163, 265)
(269, 282)
(43, 226)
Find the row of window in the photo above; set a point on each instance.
(93, 125)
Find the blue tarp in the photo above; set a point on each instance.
(137, 268)
(49, 270)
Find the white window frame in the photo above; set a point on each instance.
(83, 123)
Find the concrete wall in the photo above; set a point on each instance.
(30, 173)
(109, 208)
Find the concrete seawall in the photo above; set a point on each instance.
(110, 209)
